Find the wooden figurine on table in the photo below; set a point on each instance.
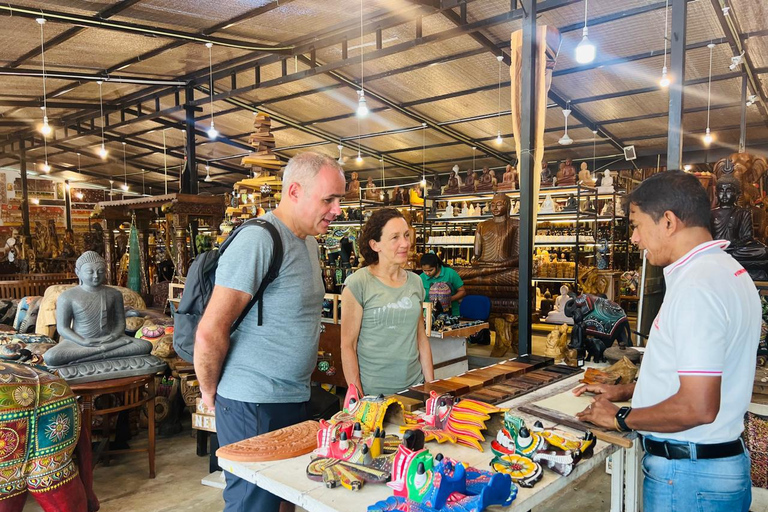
(585, 177)
(557, 340)
(485, 184)
(371, 192)
(566, 177)
(470, 185)
(353, 189)
(454, 182)
(508, 179)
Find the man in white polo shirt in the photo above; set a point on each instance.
(695, 381)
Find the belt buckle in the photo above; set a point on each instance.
(666, 450)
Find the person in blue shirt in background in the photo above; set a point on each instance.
(435, 271)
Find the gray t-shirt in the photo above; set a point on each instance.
(387, 348)
(272, 363)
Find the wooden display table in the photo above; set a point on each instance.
(135, 392)
(287, 478)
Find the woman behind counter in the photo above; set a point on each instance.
(384, 347)
(435, 271)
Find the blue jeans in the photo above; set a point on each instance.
(236, 421)
(696, 485)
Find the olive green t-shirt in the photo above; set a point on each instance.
(387, 348)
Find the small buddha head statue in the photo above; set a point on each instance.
(91, 269)
(728, 190)
(500, 205)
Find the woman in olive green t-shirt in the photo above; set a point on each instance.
(384, 345)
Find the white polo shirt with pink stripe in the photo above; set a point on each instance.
(708, 325)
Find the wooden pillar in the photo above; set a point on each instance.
(182, 254)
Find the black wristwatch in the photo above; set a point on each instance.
(621, 417)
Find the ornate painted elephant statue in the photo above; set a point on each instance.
(597, 322)
(40, 431)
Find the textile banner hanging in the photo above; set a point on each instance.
(547, 47)
(134, 260)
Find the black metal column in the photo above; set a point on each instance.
(67, 204)
(677, 70)
(743, 131)
(24, 193)
(527, 201)
(189, 175)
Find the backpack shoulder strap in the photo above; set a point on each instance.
(272, 272)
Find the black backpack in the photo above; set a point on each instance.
(198, 288)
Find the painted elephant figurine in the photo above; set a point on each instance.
(40, 430)
(597, 322)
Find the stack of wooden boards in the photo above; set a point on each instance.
(499, 382)
(263, 141)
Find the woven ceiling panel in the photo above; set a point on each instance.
(751, 15)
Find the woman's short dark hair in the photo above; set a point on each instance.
(432, 260)
(373, 229)
(675, 191)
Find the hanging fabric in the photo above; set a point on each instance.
(134, 259)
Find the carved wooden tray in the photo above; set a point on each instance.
(284, 443)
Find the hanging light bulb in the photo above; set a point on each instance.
(340, 161)
(708, 138)
(499, 140)
(362, 106)
(208, 178)
(359, 158)
(103, 151)
(46, 168)
(664, 82)
(46, 128)
(585, 51)
(212, 131)
(423, 181)
(125, 187)
(566, 140)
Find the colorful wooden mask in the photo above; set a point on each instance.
(423, 483)
(559, 450)
(447, 420)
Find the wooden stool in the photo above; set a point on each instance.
(131, 389)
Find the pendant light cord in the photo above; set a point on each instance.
(709, 87)
(586, 3)
(499, 116)
(666, 30)
(125, 172)
(210, 76)
(42, 54)
(101, 112)
(362, 50)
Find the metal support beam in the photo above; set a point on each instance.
(189, 174)
(67, 205)
(743, 130)
(527, 200)
(730, 26)
(677, 70)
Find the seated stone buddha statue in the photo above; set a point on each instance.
(734, 223)
(90, 319)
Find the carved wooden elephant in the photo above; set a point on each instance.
(40, 431)
(597, 322)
